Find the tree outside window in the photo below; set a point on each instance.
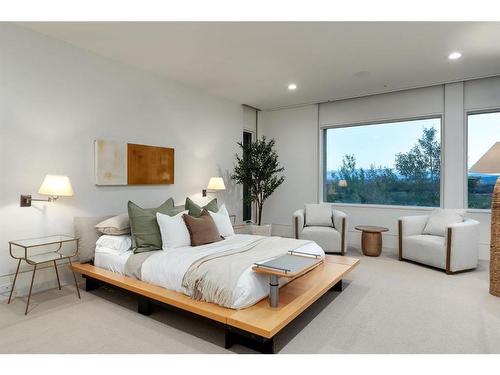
(396, 163)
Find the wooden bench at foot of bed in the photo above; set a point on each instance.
(260, 319)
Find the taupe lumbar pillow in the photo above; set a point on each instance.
(202, 230)
(145, 231)
(115, 226)
(440, 219)
(318, 215)
(196, 210)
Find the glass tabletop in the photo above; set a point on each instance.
(41, 241)
(45, 257)
(289, 263)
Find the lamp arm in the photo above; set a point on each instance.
(25, 200)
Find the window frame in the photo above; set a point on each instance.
(466, 153)
(322, 160)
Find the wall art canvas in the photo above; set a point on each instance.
(121, 163)
(110, 162)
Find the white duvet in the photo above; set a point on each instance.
(167, 268)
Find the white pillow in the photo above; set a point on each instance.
(115, 225)
(118, 244)
(440, 219)
(223, 221)
(318, 215)
(174, 232)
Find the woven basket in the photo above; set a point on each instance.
(495, 242)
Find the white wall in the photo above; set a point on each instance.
(298, 129)
(56, 99)
(296, 133)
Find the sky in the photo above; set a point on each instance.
(483, 132)
(378, 144)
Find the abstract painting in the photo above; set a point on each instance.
(110, 162)
(120, 163)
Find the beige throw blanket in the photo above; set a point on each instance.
(213, 278)
(133, 267)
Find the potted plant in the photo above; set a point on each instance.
(258, 168)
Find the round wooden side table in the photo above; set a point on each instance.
(371, 239)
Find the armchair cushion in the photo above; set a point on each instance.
(414, 224)
(318, 215)
(328, 238)
(440, 219)
(426, 249)
(464, 245)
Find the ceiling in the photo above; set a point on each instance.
(253, 62)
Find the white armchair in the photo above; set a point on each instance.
(330, 239)
(456, 251)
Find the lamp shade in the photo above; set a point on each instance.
(216, 183)
(489, 162)
(342, 183)
(56, 186)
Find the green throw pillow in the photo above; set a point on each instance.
(144, 227)
(195, 210)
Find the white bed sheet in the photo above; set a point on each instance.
(167, 268)
(112, 262)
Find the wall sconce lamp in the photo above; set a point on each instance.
(215, 184)
(54, 186)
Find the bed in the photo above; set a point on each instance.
(247, 317)
(167, 268)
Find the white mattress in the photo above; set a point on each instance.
(112, 262)
(167, 268)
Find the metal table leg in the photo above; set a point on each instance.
(31, 287)
(273, 291)
(14, 282)
(74, 277)
(57, 274)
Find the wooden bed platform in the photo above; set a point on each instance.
(254, 326)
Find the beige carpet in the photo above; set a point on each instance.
(387, 306)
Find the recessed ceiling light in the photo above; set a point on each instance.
(454, 55)
(292, 86)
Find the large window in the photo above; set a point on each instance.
(394, 163)
(483, 130)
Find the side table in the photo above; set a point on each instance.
(50, 256)
(291, 265)
(371, 239)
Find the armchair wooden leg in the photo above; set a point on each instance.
(448, 253)
(400, 239)
(342, 244)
